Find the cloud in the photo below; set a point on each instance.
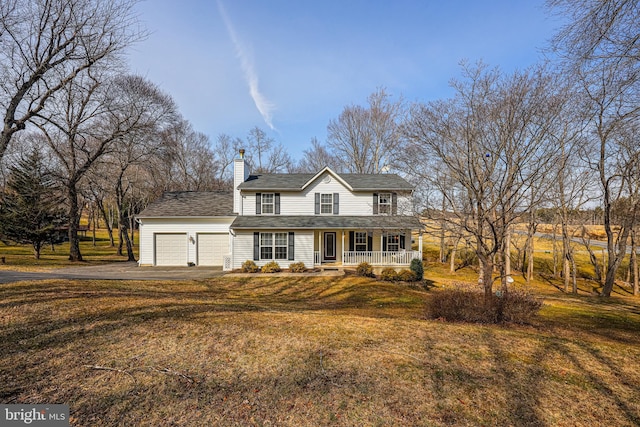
(246, 61)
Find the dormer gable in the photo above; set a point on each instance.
(327, 171)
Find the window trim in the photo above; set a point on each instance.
(272, 203)
(271, 244)
(385, 208)
(325, 204)
(357, 244)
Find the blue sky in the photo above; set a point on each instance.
(291, 66)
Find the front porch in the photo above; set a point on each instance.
(341, 248)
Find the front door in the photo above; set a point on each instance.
(330, 246)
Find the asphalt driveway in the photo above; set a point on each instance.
(115, 271)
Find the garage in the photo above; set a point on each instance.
(171, 249)
(211, 248)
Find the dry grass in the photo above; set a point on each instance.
(308, 352)
(20, 257)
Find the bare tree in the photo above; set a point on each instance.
(366, 139)
(265, 155)
(601, 50)
(318, 157)
(226, 149)
(45, 44)
(154, 111)
(187, 161)
(82, 126)
(491, 141)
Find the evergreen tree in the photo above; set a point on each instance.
(30, 204)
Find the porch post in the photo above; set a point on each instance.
(320, 244)
(420, 244)
(342, 256)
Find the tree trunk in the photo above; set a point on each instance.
(107, 223)
(37, 246)
(633, 264)
(120, 239)
(555, 253)
(74, 223)
(487, 279)
(452, 257)
(507, 259)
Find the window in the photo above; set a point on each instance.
(360, 241)
(274, 245)
(384, 203)
(266, 246)
(281, 245)
(267, 203)
(326, 203)
(393, 242)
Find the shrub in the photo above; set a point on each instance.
(297, 267)
(389, 275)
(271, 267)
(365, 269)
(466, 304)
(417, 268)
(250, 267)
(518, 306)
(407, 276)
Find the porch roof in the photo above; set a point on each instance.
(314, 222)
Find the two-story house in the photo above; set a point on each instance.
(323, 219)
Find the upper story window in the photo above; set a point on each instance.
(267, 203)
(326, 203)
(384, 203)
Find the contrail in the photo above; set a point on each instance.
(262, 104)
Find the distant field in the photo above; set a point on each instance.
(308, 352)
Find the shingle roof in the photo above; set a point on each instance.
(325, 222)
(295, 181)
(191, 203)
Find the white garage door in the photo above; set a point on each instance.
(171, 249)
(212, 247)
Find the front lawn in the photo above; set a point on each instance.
(308, 352)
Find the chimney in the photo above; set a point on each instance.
(240, 175)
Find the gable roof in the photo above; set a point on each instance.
(191, 204)
(299, 181)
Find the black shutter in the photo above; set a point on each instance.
(370, 241)
(256, 246)
(352, 242)
(375, 203)
(276, 198)
(394, 203)
(317, 203)
(292, 241)
(384, 243)
(336, 203)
(258, 203)
(402, 246)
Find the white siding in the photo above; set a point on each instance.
(303, 249)
(303, 203)
(189, 226)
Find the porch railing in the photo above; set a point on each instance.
(380, 258)
(317, 260)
